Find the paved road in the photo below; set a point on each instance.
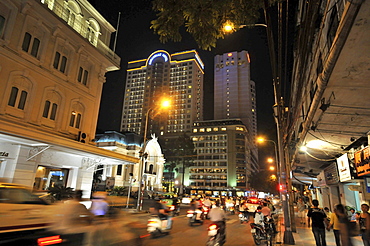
(184, 235)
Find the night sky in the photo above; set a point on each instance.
(136, 41)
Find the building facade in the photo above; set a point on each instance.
(234, 91)
(223, 162)
(54, 55)
(177, 76)
(328, 104)
(128, 175)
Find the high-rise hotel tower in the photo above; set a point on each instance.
(178, 76)
(234, 91)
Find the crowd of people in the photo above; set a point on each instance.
(345, 223)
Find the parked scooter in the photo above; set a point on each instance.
(157, 227)
(263, 232)
(214, 236)
(195, 216)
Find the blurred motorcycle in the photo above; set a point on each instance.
(157, 227)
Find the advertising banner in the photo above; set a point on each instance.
(344, 170)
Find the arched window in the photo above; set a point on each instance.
(151, 168)
(76, 116)
(93, 31)
(28, 41)
(16, 99)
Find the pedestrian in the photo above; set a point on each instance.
(319, 223)
(341, 213)
(353, 215)
(328, 213)
(301, 206)
(99, 205)
(364, 221)
(334, 223)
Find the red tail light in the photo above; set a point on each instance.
(212, 227)
(49, 240)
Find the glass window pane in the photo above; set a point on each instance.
(22, 101)
(53, 111)
(78, 121)
(35, 47)
(45, 114)
(13, 96)
(63, 64)
(56, 60)
(86, 74)
(72, 121)
(26, 42)
(2, 25)
(79, 77)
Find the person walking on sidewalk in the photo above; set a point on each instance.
(341, 213)
(319, 223)
(301, 206)
(334, 223)
(364, 220)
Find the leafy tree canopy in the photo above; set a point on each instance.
(203, 19)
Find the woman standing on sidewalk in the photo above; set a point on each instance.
(364, 220)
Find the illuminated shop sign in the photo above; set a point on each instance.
(160, 54)
(362, 161)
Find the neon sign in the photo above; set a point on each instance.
(199, 61)
(160, 54)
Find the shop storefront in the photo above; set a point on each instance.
(41, 166)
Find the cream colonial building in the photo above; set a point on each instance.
(54, 55)
(130, 144)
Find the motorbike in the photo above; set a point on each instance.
(230, 207)
(157, 227)
(263, 232)
(205, 211)
(173, 210)
(243, 217)
(214, 236)
(195, 216)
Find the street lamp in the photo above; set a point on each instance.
(261, 140)
(139, 206)
(230, 27)
(288, 237)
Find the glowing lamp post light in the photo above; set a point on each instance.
(164, 104)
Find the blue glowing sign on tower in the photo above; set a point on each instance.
(159, 54)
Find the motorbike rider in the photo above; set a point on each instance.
(243, 208)
(218, 216)
(159, 209)
(266, 211)
(259, 217)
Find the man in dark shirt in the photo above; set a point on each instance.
(319, 223)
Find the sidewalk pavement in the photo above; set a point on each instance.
(304, 235)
